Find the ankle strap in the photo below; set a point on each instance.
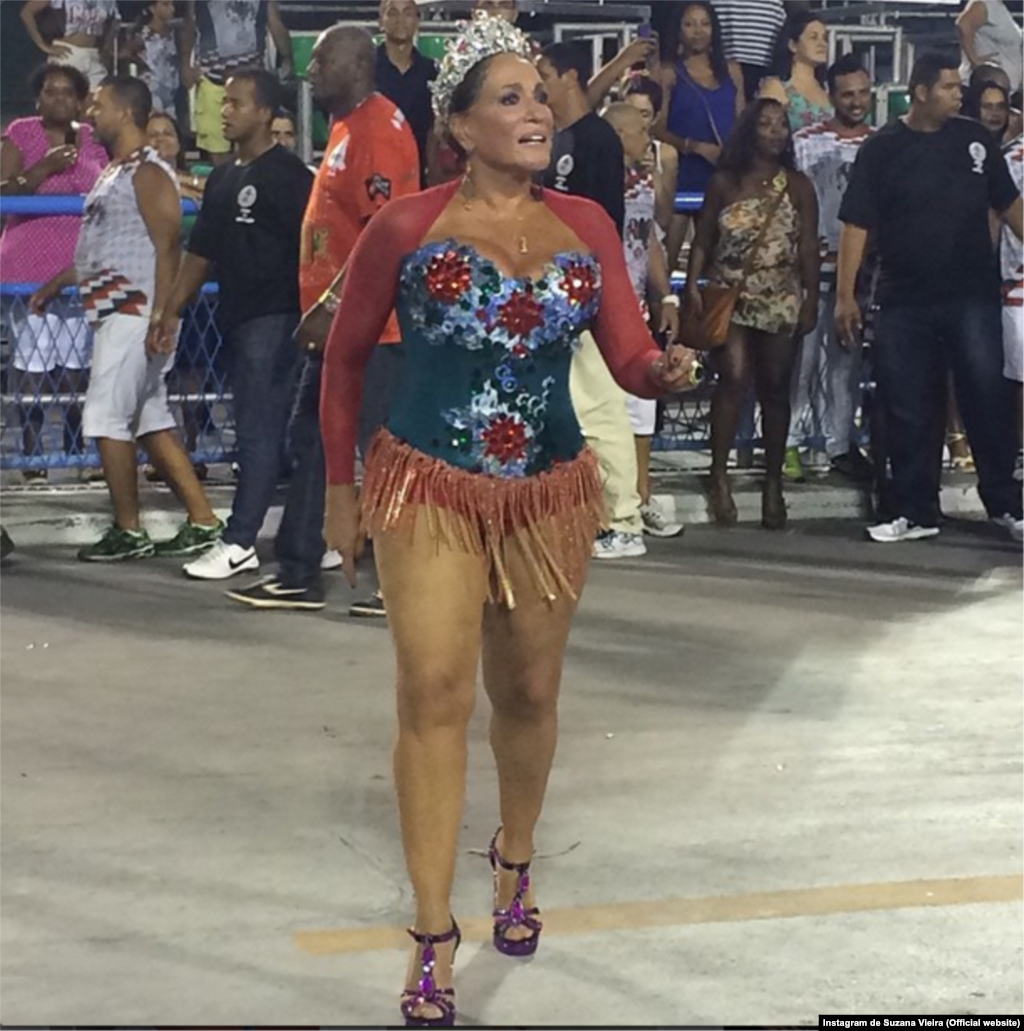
(519, 868)
(434, 939)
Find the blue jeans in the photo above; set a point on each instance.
(915, 347)
(300, 542)
(262, 359)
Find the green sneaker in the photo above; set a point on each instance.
(117, 545)
(190, 539)
(792, 467)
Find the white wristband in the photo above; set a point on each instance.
(672, 299)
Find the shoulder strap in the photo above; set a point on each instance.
(704, 100)
(752, 254)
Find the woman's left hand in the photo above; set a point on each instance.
(673, 371)
(808, 318)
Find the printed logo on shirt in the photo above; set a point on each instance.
(338, 157)
(246, 201)
(978, 154)
(379, 187)
(564, 168)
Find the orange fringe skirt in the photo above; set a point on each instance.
(549, 521)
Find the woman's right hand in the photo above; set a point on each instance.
(58, 159)
(341, 527)
(61, 51)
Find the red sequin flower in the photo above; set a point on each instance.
(521, 314)
(580, 283)
(448, 277)
(505, 439)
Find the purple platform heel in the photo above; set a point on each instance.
(516, 915)
(426, 993)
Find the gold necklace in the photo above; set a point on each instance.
(522, 243)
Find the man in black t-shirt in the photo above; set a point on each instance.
(250, 228)
(404, 74)
(923, 187)
(587, 161)
(586, 157)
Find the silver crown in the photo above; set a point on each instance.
(477, 40)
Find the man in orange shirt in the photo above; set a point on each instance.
(371, 157)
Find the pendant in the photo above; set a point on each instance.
(524, 246)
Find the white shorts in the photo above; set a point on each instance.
(127, 395)
(643, 415)
(86, 59)
(1013, 343)
(45, 342)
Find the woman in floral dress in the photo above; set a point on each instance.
(757, 185)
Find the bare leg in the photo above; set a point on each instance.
(435, 598)
(774, 358)
(956, 435)
(643, 468)
(523, 655)
(167, 454)
(122, 476)
(733, 365)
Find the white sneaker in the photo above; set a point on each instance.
(1014, 527)
(613, 544)
(655, 522)
(331, 560)
(223, 561)
(900, 530)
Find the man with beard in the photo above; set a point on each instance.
(371, 157)
(125, 263)
(827, 387)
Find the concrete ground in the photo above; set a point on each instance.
(789, 783)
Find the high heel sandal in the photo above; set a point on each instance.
(426, 993)
(516, 915)
(773, 506)
(720, 500)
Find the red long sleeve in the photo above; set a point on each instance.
(369, 294)
(367, 299)
(620, 329)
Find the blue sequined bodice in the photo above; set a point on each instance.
(486, 380)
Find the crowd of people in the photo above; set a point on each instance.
(736, 102)
(494, 346)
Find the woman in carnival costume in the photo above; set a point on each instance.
(481, 497)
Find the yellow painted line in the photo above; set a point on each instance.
(636, 916)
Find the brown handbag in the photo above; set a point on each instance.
(710, 328)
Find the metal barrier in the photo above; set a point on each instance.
(44, 373)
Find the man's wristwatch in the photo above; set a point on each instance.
(21, 181)
(672, 299)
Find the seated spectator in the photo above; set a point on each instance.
(798, 82)
(989, 103)
(283, 129)
(81, 33)
(165, 138)
(49, 153)
(990, 35)
(154, 48)
(705, 92)
(507, 9)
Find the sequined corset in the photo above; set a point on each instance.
(486, 380)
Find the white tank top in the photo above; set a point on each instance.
(115, 257)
